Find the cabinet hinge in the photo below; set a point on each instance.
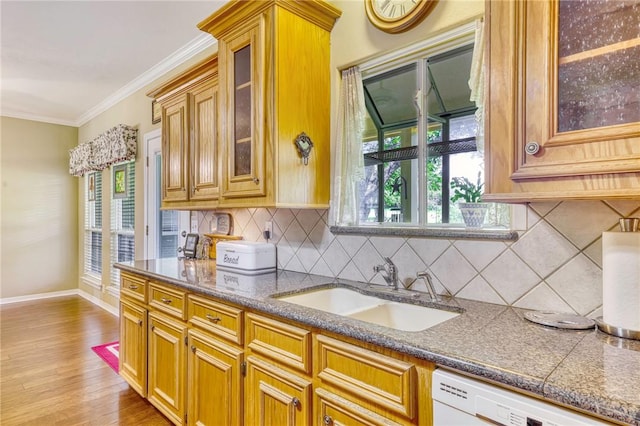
(186, 343)
(243, 368)
(147, 161)
(146, 230)
(185, 419)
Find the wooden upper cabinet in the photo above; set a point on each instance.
(243, 166)
(175, 150)
(204, 146)
(190, 163)
(563, 120)
(274, 85)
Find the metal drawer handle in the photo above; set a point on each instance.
(295, 402)
(133, 287)
(166, 301)
(327, 420)
(213, 319)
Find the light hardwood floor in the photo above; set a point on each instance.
(50, 376)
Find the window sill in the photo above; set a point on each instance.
(451, 233)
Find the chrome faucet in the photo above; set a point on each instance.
(389, 272)
(430, 288)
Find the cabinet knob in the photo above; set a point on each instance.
(256, 180)
(327, 420)
(295, 402)
(140, 323)
(532, 148)
(193, 349)
(153, 327)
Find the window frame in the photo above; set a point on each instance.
(89, 276)
(459, 37)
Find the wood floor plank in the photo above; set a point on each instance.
(50, 376)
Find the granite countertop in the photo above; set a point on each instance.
(587, 370)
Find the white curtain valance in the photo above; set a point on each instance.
(113, 146)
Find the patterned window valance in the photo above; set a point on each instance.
(113, 146)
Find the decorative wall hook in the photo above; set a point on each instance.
(304, 145)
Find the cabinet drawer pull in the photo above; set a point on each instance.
(532, 148)
(213, 319)
(166, 301)
(327, 420)
(133, 287)
(295, 402)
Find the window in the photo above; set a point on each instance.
(420, 135)
(93, 227)
(122, 218)
(393, 190)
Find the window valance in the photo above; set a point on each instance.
(113, 146)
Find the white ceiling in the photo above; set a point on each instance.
(65, 62)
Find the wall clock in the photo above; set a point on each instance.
(396, 16)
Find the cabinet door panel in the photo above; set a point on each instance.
(204, 147)
(242, 92)
(175, 150)
(333, 410)
(167, 366)
(133, 346)
(215, 388)
(275, 396)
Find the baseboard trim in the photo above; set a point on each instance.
(98, 302)
(75, 292)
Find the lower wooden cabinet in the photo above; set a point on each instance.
(214, 381)
(167, 367)
(276, 396)
(202, 361)
(133, 345)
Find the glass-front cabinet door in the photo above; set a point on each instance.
(565, 92)
(243, 170)
(586, 96)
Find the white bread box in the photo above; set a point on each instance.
(246, 257)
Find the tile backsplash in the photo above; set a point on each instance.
(556, 264)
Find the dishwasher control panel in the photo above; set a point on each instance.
(459, 400)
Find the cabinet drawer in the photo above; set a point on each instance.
(287, 344)
(134, 287)
(169, 300)
(219, 319)
(376, 378)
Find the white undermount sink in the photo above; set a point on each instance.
(349, 303)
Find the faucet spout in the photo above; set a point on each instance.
(430, 288)
(389, 272)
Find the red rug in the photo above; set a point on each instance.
(109, 353)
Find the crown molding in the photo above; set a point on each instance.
(41, 118)
(197, 45)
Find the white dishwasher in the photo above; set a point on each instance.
(462, 401)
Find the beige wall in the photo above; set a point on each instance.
(39, 215)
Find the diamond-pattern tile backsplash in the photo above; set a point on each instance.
(556, 264)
